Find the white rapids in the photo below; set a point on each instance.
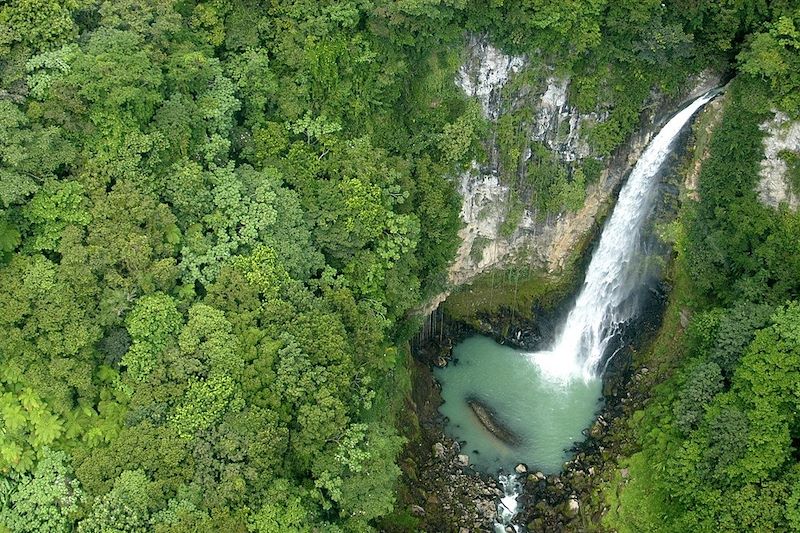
(507, 507)
(605, 302)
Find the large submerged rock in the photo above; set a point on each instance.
(490, 421)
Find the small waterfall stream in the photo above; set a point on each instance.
(607, 299)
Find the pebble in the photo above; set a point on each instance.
(486, 508)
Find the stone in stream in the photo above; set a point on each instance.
(489, 420)
(521, 468)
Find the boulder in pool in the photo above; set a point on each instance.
(490, 421)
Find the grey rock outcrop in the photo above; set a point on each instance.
(774, 188)
(484, 73)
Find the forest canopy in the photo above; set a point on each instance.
(210, 226)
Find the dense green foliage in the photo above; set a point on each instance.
(210, 225)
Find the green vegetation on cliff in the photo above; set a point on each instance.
(518, 290)
(615, 55)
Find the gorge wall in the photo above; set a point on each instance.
(492, 193)
(490, 189)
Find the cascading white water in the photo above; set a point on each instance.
(605, 302)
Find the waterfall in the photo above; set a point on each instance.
(606, 300)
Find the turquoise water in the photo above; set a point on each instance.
(547, 416)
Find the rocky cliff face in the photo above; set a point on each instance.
(546, 242)
(486, 197)
(484, 73)
(774, 188)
